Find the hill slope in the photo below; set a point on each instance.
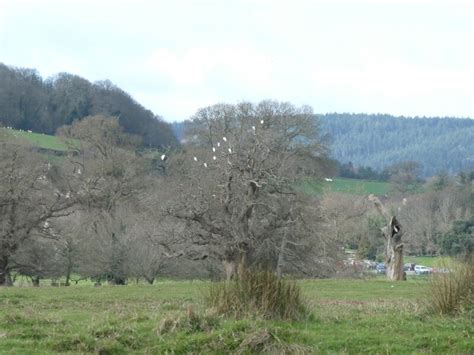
(439, 144)
(29, 102)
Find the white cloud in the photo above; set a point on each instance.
(176, 105)
(198, 66)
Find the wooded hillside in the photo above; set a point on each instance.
(439, 144)
(29, 102)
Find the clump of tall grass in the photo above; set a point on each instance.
(257, 293)
(189, 322)
(453, 292)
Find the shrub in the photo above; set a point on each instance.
(258, 293)
(454, 291)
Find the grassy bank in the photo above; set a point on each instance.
(369, 316)
(38, 140)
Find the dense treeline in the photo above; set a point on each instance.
(378, 141)
(29, 102)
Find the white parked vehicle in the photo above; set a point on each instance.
(420, 270)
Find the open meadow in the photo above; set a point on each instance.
(347, 316)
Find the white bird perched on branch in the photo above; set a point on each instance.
(224, 139)
(218, 144)
(261, 121)
(163, 157)
(205, 165)
(253, 128)
(230, 150)
(213, 149)
(214, 157)
(195, 159)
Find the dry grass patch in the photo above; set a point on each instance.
(453, 292)
(258, 293)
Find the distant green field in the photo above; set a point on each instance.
(348, 317)
(350, 186)
(38, 139)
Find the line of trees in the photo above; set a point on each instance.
(111, 212)
(225, 201)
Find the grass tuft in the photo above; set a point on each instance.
(453, 292)
(189, 322)
(257, 293)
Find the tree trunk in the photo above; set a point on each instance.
(36, 281)
(68, 274)
(281, 258)
(5, 279)
(394, 251)
(230, 269)
(243, 264)
(150, 279)
(393, 243)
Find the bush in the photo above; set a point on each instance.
(454, 291)
(257, 293)
(459, 240)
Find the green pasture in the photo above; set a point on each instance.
(372, 316)
(343, 185)
(39, 140)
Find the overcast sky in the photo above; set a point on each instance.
(398, 57)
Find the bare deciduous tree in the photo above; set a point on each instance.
(29, 199)
(108, 175)
(235, 184)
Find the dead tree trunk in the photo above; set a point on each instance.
(394, 250)
(393, 243)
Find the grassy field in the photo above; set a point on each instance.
(343, 185)
(348, 316)
(38, 139)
